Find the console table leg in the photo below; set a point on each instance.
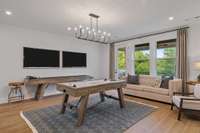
(121, 97)
(40, 91)
(82, 110)
(64, 104)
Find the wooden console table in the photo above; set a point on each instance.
(42, 83)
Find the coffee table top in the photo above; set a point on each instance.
(83, 84)
(92, 86)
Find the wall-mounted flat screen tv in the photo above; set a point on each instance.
(73, 59)
(34, 57)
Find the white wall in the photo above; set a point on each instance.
(193, 49)
(12, 41)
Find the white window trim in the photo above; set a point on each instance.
(130, 48)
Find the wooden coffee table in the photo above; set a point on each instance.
(85, 88)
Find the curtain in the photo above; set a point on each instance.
(112, 61)
(181, 70)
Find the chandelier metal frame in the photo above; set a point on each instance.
(92, 33)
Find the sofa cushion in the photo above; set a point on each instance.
(187, 104)
(133, 79)
(147, 89)
(156, 90)
(149, 80)
(135, 87)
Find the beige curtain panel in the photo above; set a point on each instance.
(112, 61)
(181, 70)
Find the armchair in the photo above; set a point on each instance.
(185, 101)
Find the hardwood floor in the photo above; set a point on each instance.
(161, 121)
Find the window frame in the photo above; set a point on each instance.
(165, 43)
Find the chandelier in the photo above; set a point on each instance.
(92, 33)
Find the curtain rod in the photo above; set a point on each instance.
(151, 34)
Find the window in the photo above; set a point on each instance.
(166, 58)
(121, 60)
(142, 65)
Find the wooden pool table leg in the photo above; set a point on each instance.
(101, 94)
(121, 97)
(82, 110)
(64, 104)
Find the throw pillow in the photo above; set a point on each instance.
(197, 91)
(157, 83)
(133, 79)
(165, 82)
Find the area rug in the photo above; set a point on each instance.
(103, 117)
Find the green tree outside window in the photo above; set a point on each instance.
(142, 62)
(166, 65)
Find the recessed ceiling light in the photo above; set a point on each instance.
(8, 12)
(171, 18)
(197, 17)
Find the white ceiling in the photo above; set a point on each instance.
(122, 18)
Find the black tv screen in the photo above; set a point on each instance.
(34, 57)
(73, 59)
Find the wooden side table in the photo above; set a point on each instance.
(193, 82)
(15, 93)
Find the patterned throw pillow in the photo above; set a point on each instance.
(157, 83)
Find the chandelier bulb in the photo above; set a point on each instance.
(75, 28)
(82, 30)
(69, 28)
(91, 32)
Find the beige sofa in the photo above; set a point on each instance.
(149, 87)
